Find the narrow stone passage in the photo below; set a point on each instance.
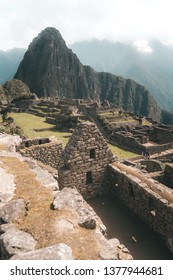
(142, 242)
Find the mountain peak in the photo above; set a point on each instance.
(50, 37)
(50, 68)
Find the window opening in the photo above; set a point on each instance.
(89, 178)
(92, 153)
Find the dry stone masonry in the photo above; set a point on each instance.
(86, 157)
(46, 150)
(148, 199)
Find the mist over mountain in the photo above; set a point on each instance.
(152, 69)
(50, 68)
(9, 62)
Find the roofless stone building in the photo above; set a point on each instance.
(86, 157)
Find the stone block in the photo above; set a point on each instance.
(15, 241)
(13, 210)
(56, 252)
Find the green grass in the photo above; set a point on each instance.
(147, 123)
(120, 153)
(122, 121)
(30, 122)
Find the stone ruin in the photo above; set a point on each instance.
(144, 139)
(46, 150)
(70, 212)
(150, 200)
(86, 157)
(86, 165)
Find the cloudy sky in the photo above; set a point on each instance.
(77, 20)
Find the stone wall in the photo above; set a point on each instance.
(26, 104)
(136, 143)
(46, 150)
(152, 165)
(148, 199)
(156, 149)
(168, 175)
(162, 134)
(86, 157)
(126, 140)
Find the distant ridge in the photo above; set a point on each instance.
(9, 62)
(50, 68)
(154, 70)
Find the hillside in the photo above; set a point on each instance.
(154, 70)
(50, 68)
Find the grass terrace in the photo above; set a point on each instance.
(34, 126)
(122, 154)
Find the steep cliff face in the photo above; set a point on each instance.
(129, 95)
(50, 68)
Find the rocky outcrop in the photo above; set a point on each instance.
(50, 68)
(16, 89)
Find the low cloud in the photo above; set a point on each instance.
(77, 20)
(143, 46)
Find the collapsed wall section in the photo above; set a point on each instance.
(153, 203)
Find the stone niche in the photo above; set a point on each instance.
(86, 157)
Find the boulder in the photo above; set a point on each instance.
(68, 198)
(42, 175)
(56, 252)
(5, 227)
(123, 253)
(88, 223)
(15, 241)
(86, 218)
(7, 185)
(13, 210)
(109, 251)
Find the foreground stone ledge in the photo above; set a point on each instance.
(56, 252)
